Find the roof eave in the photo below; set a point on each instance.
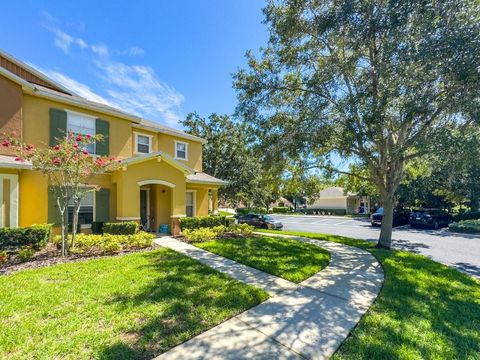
(42, 94)
(171, 132)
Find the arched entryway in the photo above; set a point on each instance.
(155, 203)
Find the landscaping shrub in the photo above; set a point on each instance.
(282, 210)
(208, 234)
(469, 215)
(253, 210)
(191, 223)
(200, 234)
(3, 257)
(26, 253)
(121, 228)
(108, 243)
(242, 229)
(35, 236)
(229, 221)
(466, 226)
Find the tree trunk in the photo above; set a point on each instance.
(76, 210)
(64, 232)
(474, 202)
(385, 239)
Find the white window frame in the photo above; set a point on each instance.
(70, 112)
(150, 143)
(89, 226)
(194, 202)
(186, 150)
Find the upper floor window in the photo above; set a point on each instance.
(143, 144)
(181, 150)
(81, 124)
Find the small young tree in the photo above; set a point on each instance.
(69, 168)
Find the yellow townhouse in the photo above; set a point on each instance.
(160, 180)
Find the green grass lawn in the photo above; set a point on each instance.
(128, 307)
(286, 258)
(425, 310)
(224, 213)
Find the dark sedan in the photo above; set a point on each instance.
(429, 218)
(400, 217)
(260, 221)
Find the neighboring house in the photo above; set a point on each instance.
(161, 178)
(335, 199)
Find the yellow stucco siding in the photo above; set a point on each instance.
(166, 202)
(33, 196)
(36, 118)
(128, 200)
(166, 143)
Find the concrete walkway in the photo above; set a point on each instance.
(309, 320)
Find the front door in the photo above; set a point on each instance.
(144, 207)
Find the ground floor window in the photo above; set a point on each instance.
(190, 201)
(85, 215)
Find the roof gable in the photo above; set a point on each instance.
(28, 73)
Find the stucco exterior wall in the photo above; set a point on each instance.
(329, 203)
(166, 143)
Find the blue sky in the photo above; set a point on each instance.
(158, 59)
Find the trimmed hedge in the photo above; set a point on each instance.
(35, 236)
(469, 215)
(190, 223)
(466, 226)
(121, 228)
(252, 210)
(282, 210)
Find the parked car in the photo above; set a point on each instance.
(400, 217)
(260, 221)
(430, 218)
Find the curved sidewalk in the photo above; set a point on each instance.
(309, 320)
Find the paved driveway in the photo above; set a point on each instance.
(461, 251)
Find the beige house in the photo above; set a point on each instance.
(336, 200)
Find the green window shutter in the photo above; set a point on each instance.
(103, 147)
(58, 125)
(54, 216)
(102, 205)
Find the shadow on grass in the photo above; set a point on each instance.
(425, 310)
(190, 298)
(289, 259)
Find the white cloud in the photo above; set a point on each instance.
(133, 51)
(100, 49)
(64, 41)
(132, 88)
(137, 89)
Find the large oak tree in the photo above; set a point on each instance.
(368, 80)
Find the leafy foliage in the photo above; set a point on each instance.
(69, 167)
(230, 154)
(190, 223)
(121, 228)
(109, 243)
(368, 81)
(35, 236)
(466, 226)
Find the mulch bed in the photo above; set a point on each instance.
(50, 255)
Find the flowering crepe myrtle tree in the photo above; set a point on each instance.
(69, 168)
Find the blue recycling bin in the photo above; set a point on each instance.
(164, 229)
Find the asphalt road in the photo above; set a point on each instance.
(461, 251)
